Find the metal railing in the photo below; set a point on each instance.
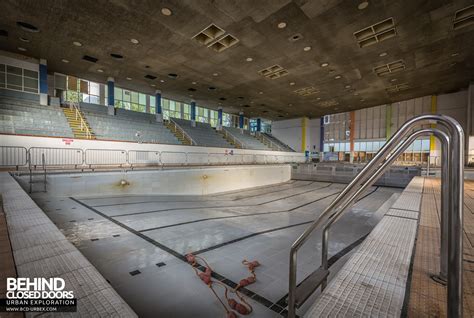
(452, 203)
(13, 156)
(43, 164)
(78, 114)
(177, 128)
(230, 137)
(267, 141)
(106, 157)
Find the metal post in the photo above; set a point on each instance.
(44, 168)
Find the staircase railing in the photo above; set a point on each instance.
(452, 203)
(78, 114)
(177, 128)
(229, 136)
(268, 141)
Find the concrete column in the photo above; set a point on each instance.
(259, 124)
(111, 96)
(158, 110)
(193, 113)
(43, 82)
(321, 134)
(219, 118)
(241, 121)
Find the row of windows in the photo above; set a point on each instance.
(19, 79)
(89, 92)
(419, 145)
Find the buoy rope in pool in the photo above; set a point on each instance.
(242, 307)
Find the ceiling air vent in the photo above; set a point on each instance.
(306, 91)
(90, 59)
(215, 38)
(378, 32)
(397, 88)
(152, 77)
(463, 18)
(387, 69)
(273, 72)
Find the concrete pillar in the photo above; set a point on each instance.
(259, 124)
(241, 120)
(193, 113)
(158, 110)
(321, 135)
(43, 82)
(111, 96)
(219, 118)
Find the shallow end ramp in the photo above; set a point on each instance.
(373, 281)
(41, 250)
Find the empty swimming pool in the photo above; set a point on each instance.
(139, 242)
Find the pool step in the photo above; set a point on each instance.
(309, 285)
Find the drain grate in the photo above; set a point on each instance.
(135, 272)
(160, 264)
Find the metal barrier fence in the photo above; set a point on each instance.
(56, 156)
(20, 157)
(106, 157)
(13, 156)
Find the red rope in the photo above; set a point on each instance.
(242, 307)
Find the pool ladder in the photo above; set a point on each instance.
(452, 196)
(44, 174)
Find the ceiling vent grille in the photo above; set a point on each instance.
(397, 88)
(274, 72)
(390, 68)
(306, 91)
(148, 76)
(215, 38)
(463, 18)
(376, 33)
(329, 103)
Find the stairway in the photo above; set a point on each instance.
(229, 139)
(75, 124)
(179, 134)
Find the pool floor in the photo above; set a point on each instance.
(138, 243)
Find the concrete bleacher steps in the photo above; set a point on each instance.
(75, 124)
(249, 141)
(178, 134)
(27, 117)
(203, 134)
(127, 126)
(269, 137)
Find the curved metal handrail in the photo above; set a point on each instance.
(176, 126)
(456, 156)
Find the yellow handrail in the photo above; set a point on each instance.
(84, 125)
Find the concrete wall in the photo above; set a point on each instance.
(291, 132)
(196, 181)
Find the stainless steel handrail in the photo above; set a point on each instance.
(455, 195)
(176, 126)
(234, 139)
(264, 137)
(84, 126)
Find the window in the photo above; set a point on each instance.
(152, 105)
(130, 100)
(186, 111)
(213, 118)
(19, 79)
(79, 90)
(202, 115)
(226, 120)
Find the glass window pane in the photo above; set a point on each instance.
(118, 93)
(126, 96)
(142, 99)
(14, 81)
(14, 70)
(31, 83)
(134, 97)
(94, 88)
(32, 74)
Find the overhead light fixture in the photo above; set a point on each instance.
(337, 76)
(249, 59)
(128, 78)
(76, 43)
(260, 93)
(356, 94)
(363, 5)
(281, 25)
(100, 70)
(65, 61)
(166, 11)
(325, 64)
(292, 83)
(307, 48)
(162, 81)
(194, 83)
(455, 54)
(152, 85)
(319, 98)
(22, 39)
(393, 80)
(215, 74)
(383, 54)
(348, 86)
(21, 49)
(362, 100)
(134, 41)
